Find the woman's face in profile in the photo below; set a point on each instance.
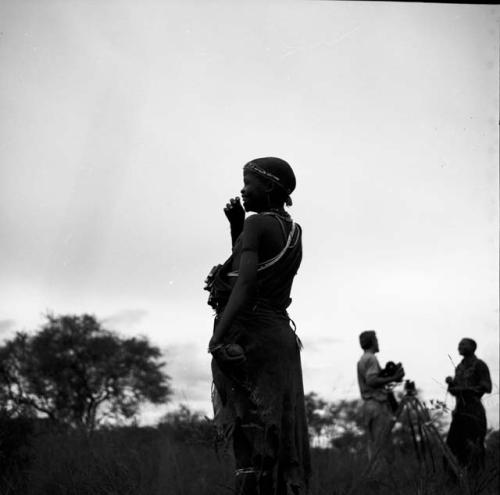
(254, 193)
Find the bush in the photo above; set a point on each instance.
(190, 427)
(15, 453)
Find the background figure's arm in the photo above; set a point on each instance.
(452, 389)
(376, 381)
(465, 391)
(482, 375)
(484, 385)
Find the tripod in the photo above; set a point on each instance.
(424, 435)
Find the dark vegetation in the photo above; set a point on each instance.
(67, 428)
(76, 373)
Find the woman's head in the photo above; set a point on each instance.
(268, 183)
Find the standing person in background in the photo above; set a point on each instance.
(258, 394)
(468, 426)
(377, 413)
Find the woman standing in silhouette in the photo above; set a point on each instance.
(258, 394)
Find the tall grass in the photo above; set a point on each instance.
(155, 461)
(126, 461)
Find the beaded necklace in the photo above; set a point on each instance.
(284, 215)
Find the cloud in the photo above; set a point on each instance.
(6, 326)
(320, 343)
(189, 368)
(126, 318)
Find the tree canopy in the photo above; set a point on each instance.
(76, 372)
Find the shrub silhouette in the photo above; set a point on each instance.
(77, 373)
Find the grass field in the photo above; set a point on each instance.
(158, 461)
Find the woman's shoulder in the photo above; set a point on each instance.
(260, 221)
(270, 225)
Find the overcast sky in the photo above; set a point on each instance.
(124, 127)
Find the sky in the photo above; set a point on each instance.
(124, 127)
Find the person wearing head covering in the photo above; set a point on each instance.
(468, 426)
(257, 391)
(377, 412)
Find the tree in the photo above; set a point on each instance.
(317, 419)
(78, 373)
(338, 423)
(347, 420)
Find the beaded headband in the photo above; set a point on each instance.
(252, 167)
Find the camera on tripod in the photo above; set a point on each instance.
(410, 388)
